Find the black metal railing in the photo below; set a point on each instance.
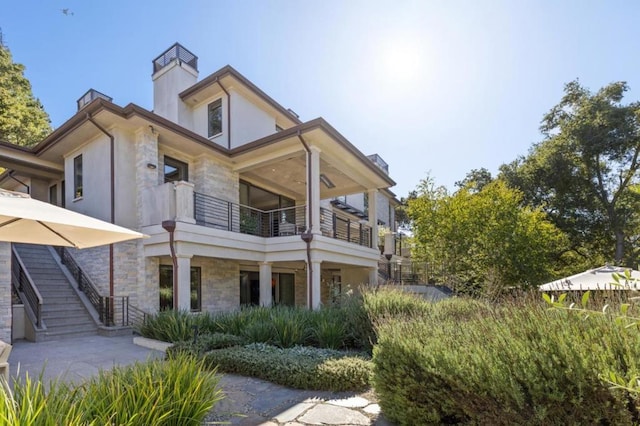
(177, 51)
(220, 214)
(112, 310)
(342, 227)
(137, 317)
(23, 283)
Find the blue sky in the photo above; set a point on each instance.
(439, 87)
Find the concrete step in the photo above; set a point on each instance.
(69, 323)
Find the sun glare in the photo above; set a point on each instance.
(401, 63)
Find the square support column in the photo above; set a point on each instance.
(184, 202)
(313, 169)
(183, 301)
(373, 276)
(373, 216)
(266, 298)
(315, 279)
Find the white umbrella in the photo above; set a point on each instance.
(595, 279)
(25, 220)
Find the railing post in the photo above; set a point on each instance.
(349, 230)
(360, 234)
(229, 216)
(335, 225)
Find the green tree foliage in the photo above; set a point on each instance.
(476, 179)
(483, 241)
(23, 120)
(584, 174)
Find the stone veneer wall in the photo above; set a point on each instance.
(216, 179)
(95, 263)
(5, 292)
(220, 284)
(301, 288)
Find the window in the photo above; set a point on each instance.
(215, 118)
(53, 195)
(175, 171)
(77, 177)
(166, 288)
(366, 203)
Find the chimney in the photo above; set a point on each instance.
(175, 70)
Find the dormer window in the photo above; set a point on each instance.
(215, 118)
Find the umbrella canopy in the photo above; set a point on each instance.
(25, 220)
(595, 279)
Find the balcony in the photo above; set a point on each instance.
(220, 214)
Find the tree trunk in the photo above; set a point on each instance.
(619, 246)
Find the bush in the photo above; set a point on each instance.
(205, 343)
(519, 365)
(297, 367)
(179, 391)
(170, 326)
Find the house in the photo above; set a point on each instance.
(242, 201)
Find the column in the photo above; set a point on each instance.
(373, 216)
(373, 276)
(184, 283)
(314, 274)
(315, 189)
(266, 297)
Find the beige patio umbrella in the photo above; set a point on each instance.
(25, 220)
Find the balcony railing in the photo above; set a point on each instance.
(177, 51)
(227, 216)
(343, 227)
(216, 213)
(27, 290)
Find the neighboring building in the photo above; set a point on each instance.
(244, 186)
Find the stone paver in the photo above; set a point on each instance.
(248, 401)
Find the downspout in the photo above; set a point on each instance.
(113, 197)
(307, 236)
(170, 227)
(228, 112)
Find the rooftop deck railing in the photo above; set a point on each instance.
(177, 51)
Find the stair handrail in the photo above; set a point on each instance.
(23, 284)
(104, 305)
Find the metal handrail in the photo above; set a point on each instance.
(221, 214)
(24, 285)
(342, 227)
(108, 307)
(137, 317)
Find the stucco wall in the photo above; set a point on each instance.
(95, 200)
(248, 122)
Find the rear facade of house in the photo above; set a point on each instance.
(242, 202)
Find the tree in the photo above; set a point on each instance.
(475, 180)
(23, 120)
(584, 173)
(483, 241)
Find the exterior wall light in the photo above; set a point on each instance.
(151, 166)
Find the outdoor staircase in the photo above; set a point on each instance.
(63, 313)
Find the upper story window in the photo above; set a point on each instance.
(175, 170)
(215, 118)
(77, 177)
(53, 194)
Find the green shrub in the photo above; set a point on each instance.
(297, 367)
(328, 329)
(205, 343)
(169, 326)
(290, 326)
(390, 303)
(175, 392)
(519, 365)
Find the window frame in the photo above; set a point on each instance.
(78, 190)
(212, 106)
(181, 167)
